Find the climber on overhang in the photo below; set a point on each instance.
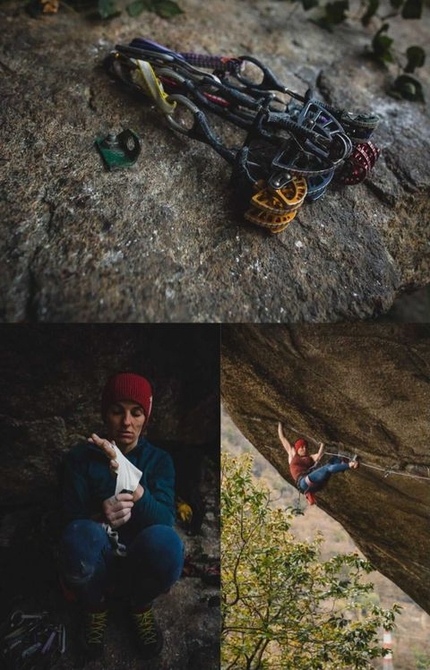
(308, 478)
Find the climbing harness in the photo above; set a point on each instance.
(387, 471)
(292, 151)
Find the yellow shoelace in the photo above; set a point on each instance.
(96, 626)
(145, 626)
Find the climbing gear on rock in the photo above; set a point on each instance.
(119, 151)
(208, 571)
(93, 632)
(30, 641)
(148, 633)
(292, 151)
(184, 511)
(118, 548)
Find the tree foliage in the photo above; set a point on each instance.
(282, 607)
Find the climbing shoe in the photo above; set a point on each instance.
(94, 627)
(354, 462)
(148, 633)
(310, 498)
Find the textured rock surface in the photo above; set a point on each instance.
(160, 241)
(362, 388)
(50, 388)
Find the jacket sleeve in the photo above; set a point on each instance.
(75, 488)
(157, 505)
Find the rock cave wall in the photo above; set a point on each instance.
(50, 385)
(360, 388)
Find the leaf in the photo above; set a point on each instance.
(412, 9)
(107, 9)
(335, 12)
(137, 7)
(396, 3)
(372, 8)
(166, 8)
(381, 45)
(408, 88)
(416, 58)
(309, 4)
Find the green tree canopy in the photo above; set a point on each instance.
(283, 607)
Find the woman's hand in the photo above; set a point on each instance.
(106, 447)
(117, 509)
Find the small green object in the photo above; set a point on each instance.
(372, 8)
(416, 58)
(164, 8)
(107, 9)
(136, 7)
(119, 151)
(408, 88)
(167, 9)
(381, 45)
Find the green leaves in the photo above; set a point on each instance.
(282, 606)
(405, 86)
(334, 13)
(107, 9)
(412, 9)
(381, 45)
(164, 8)
(167, 9)
(416, 58)
(309, 4)
(372, 8)
(408, 88)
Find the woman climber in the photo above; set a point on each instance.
(309, 478)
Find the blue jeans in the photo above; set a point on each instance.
(88, 566)
(320, 476)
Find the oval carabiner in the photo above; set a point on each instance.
(265, 79)
(199, 130)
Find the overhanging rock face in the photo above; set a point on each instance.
(362, 388)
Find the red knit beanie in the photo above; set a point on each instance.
(127, 386)
(300, 443)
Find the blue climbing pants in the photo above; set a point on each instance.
(320, 476)
(89, 567)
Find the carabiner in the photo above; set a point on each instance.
(149, 45)
(269, 81)
(200, 129)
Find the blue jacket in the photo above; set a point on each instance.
(88, 481)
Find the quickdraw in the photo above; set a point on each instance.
(292, 151)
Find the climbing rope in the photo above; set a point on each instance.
(387, 471)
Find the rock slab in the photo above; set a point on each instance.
(160, 242)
